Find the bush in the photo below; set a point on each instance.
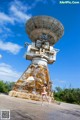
(5, 87)
(67, 95)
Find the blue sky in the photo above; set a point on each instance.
(13, 16)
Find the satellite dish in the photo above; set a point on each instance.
(44, 28)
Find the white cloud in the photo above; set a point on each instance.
(17, 12)
(18, 15)
(0, 56)
(7, 73)
(5, 32)
(4, 18)
(34, 4)
(10, 47)
(62, 81)
(1, 30)
(6, 29)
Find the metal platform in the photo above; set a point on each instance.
(44, 28)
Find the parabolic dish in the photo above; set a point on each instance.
(44, 28)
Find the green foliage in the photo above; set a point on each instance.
(68, 95)
(5, 87)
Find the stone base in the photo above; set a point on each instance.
(33, 79)
(28, 96)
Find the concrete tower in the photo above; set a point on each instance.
(44, 31)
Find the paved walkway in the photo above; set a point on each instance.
(22, 109)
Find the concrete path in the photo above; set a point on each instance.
(22, 109)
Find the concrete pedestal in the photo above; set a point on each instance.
(29, 86)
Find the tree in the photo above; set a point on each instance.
(5, 87)
(70, 95)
